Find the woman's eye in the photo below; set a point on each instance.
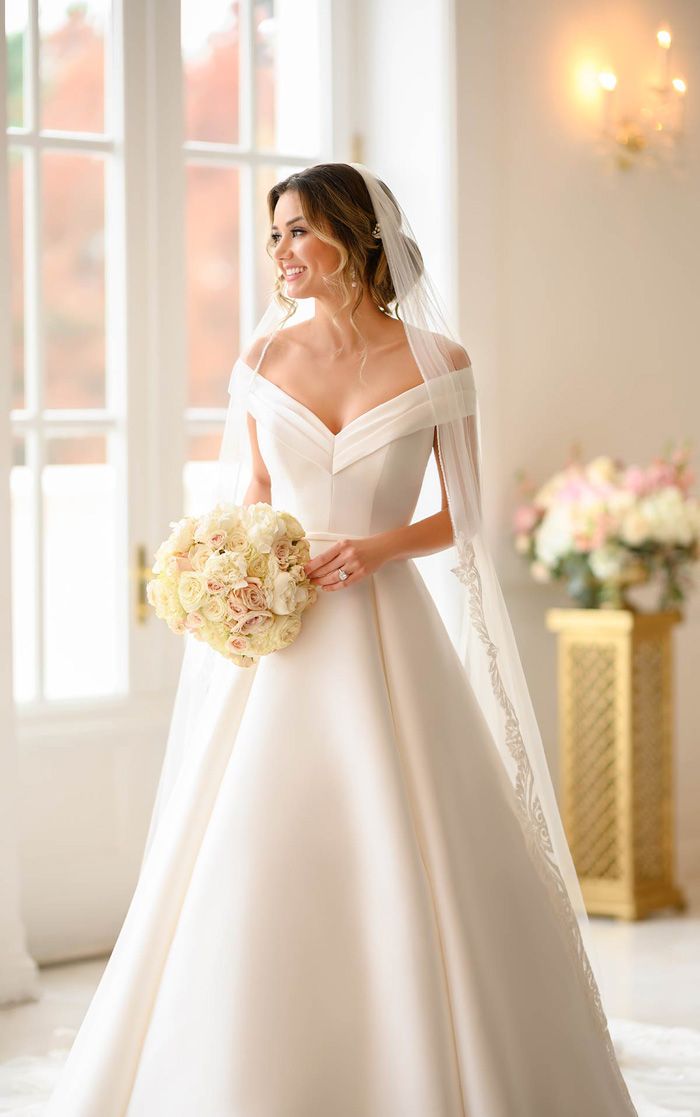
(274, 237)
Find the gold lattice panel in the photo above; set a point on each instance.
(590, 782)
(615, 719)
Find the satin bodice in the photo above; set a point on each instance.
(367, 477)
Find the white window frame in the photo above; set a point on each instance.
(145, 299)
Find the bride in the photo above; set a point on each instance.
(356, 899)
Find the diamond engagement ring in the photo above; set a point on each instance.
(342, 574)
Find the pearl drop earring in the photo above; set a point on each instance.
(353, 281)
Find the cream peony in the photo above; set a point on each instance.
(264, 526)
(229, 567)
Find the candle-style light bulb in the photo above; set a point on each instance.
(663, 38)
(680, 89)
(607, 81)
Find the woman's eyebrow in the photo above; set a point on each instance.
(288, 223)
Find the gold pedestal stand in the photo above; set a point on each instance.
(616, 740)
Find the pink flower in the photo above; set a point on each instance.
(526, 518)
(237, 643)
(234, 602)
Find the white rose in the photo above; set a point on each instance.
(284, 590)
(191, 589)
(214, 609)
(236, 538)
(287, 629)
(199, 554)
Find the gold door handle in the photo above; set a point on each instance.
(144, 573)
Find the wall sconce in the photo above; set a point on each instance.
(653, 134)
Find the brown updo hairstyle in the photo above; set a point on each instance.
(337, 207)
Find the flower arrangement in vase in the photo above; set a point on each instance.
(603, 528)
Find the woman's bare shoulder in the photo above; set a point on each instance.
(456, 352)
(285, 340)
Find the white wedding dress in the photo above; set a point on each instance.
(338, 915)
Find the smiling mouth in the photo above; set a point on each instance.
(290, 276)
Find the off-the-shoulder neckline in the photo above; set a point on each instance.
(259, 378)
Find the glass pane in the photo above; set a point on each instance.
(200, 473)
(16, 193)
(209, 34)
(23, 547)
(16, 38)
(265, 268)
(212, 282)
(80, 569)
(73, 273)
(288, 75)
(72, 53)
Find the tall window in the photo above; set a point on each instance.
(67, 481)
(254, 106)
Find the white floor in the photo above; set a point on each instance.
(650, 974)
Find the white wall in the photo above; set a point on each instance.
(576, 283)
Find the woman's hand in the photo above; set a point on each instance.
(358, 557)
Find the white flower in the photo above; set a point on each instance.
(214, 608)
(302, 596)
(230, 568)
(607, 561)
(602, 470)
(540, 572)
(635, 527)
(182, 535)
(191, 589)
(284, 593)
(264, 526)
(213, 527)
(199, 554)
(554, 537)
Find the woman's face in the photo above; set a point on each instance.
(301, 257)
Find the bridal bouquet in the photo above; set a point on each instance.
(603, 527)
(234, 578)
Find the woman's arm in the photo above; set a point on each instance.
(259, 488)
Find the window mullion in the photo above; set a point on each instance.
(246, 77)
(35, 448)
